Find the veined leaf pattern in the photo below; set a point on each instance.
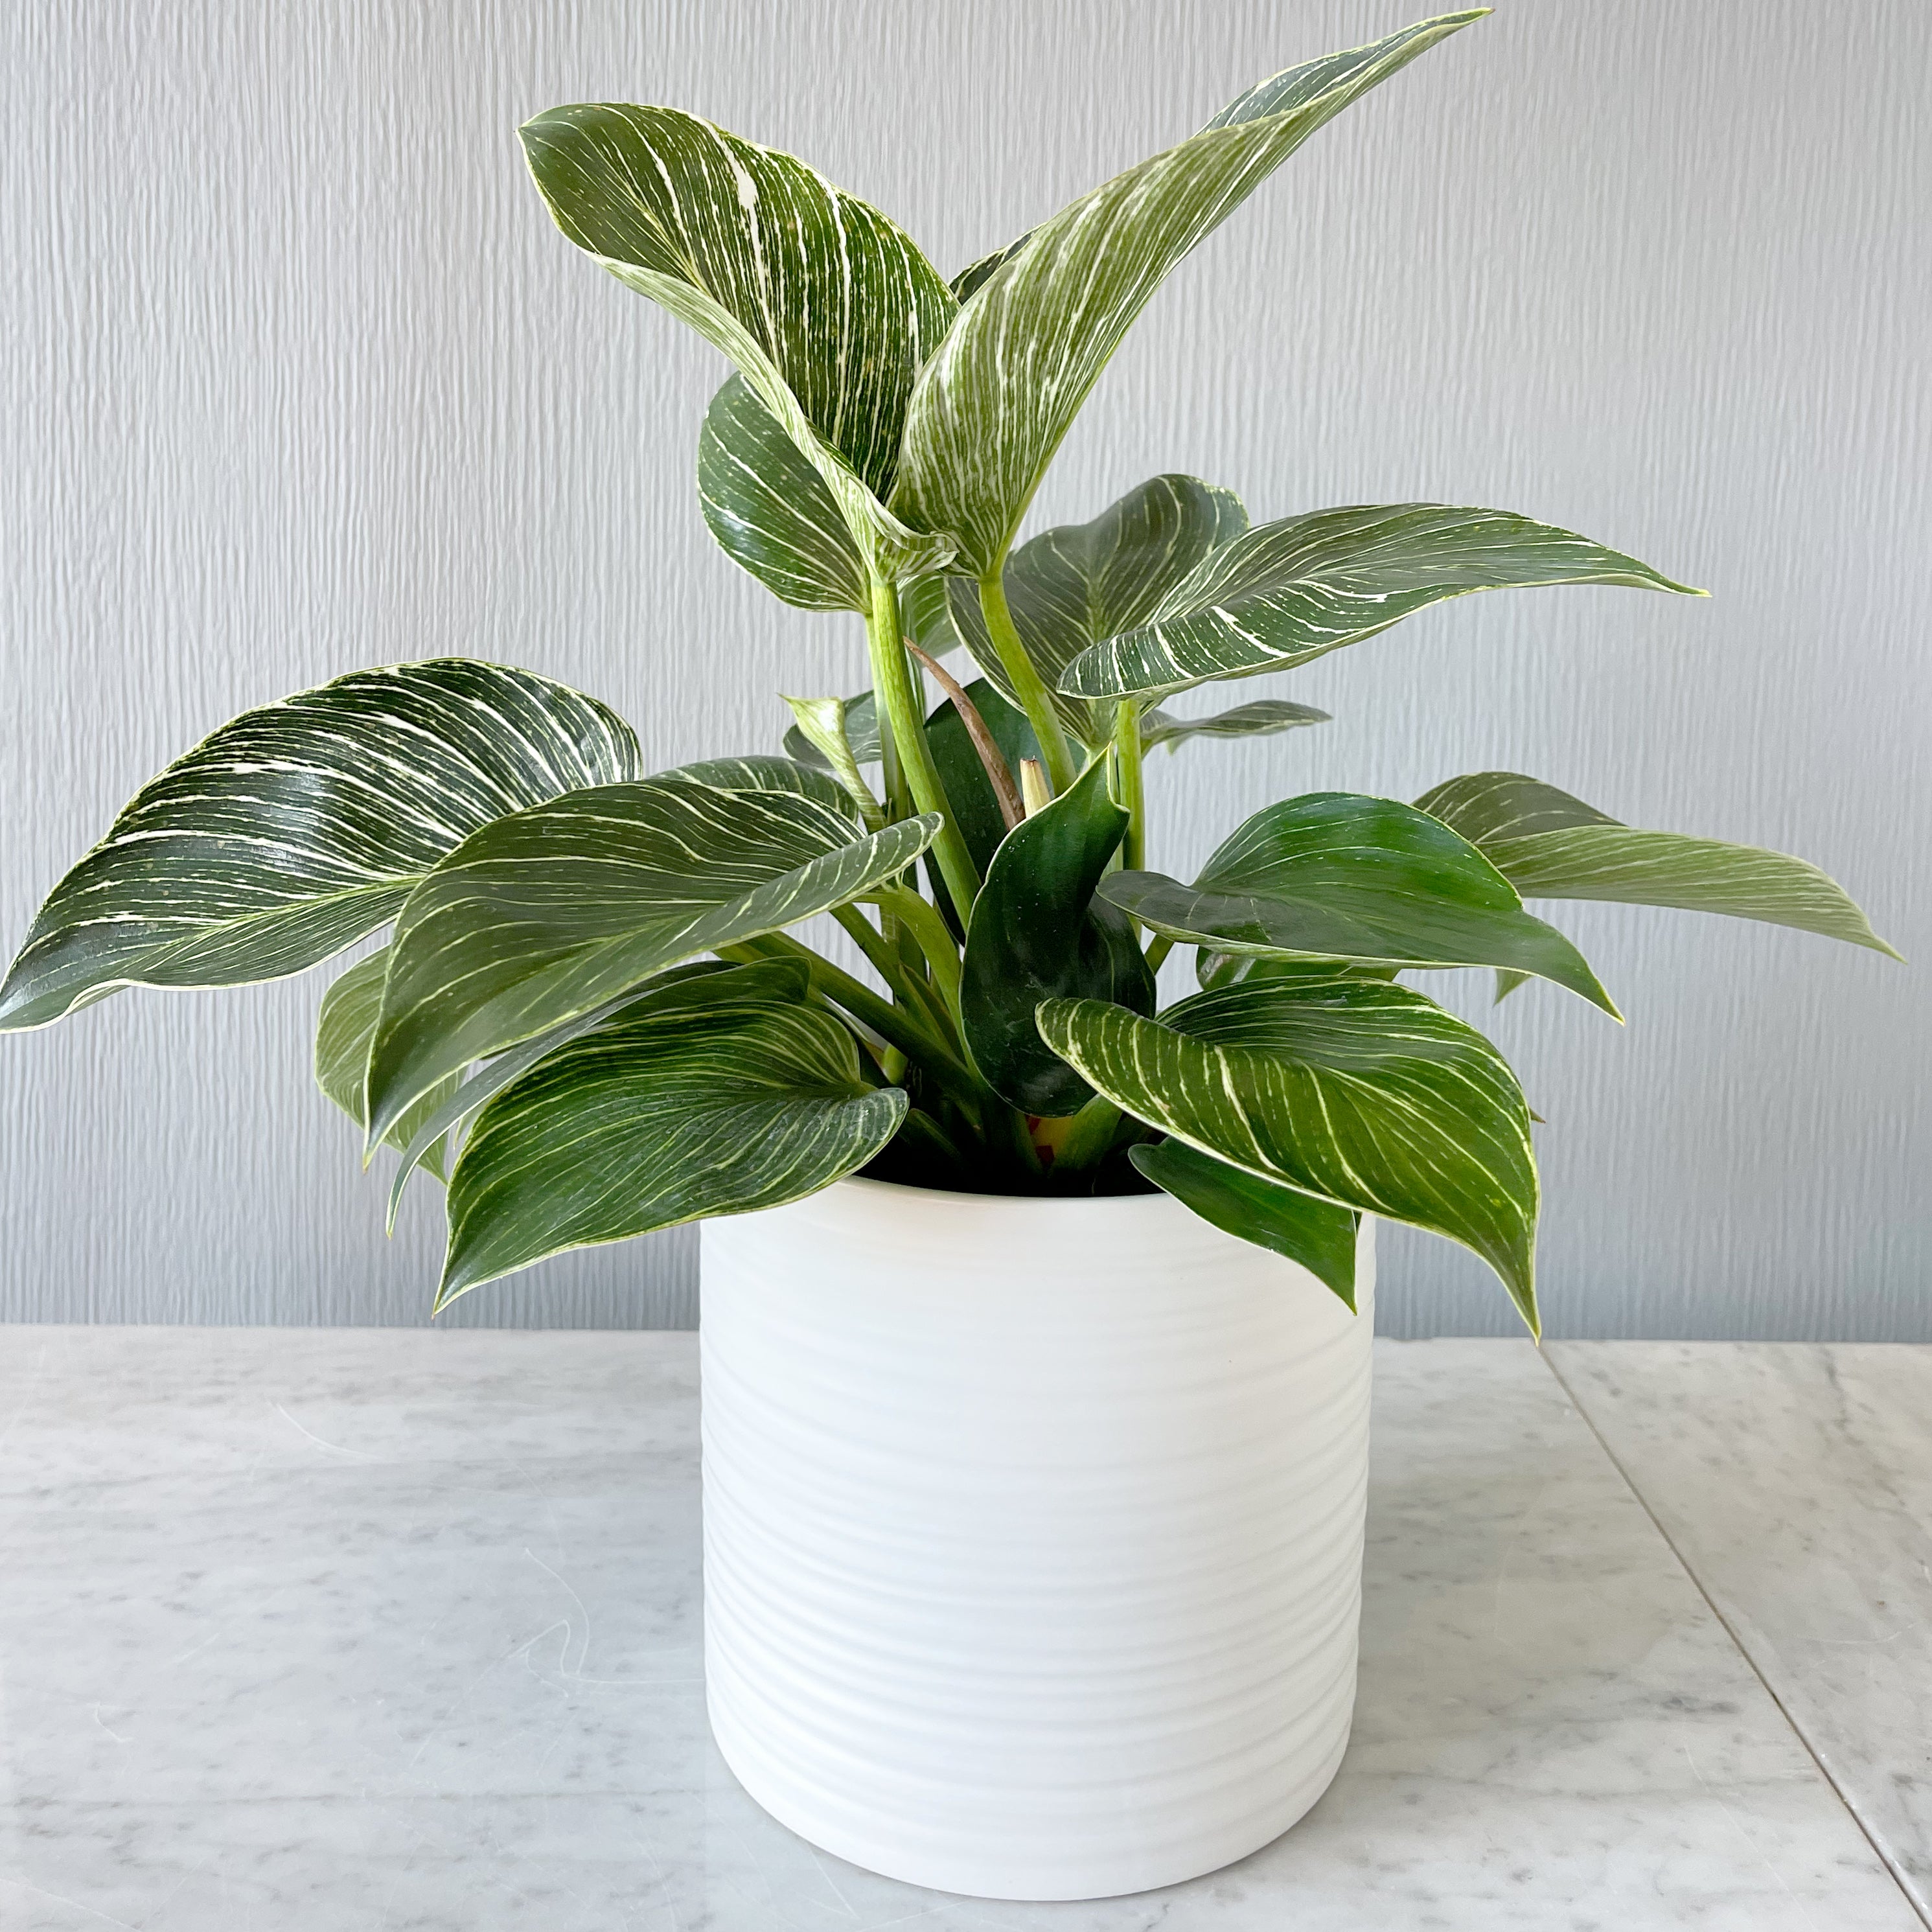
(343, 1029)
(1261, 719)
(300, 827)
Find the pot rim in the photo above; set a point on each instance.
(904, 1189)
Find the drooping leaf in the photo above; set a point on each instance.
(433, 1121)
(1262, 719)
(1318, 1235)
(299, 828)
(543, 916)
(1068, 587)
(1337, 876)
(1365, 1094)
(1038, 933)
(991, 407)
(827, 308)
(820, 722)
(343, 1029)
(1549, 845)
(675, 1107)
(769, 508)
(1293, 590)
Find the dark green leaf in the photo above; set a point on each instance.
(1367, 1095)
(343, 1029)
(1261, 719)
(1070, 586)
(1038, 933)
(1334, 875)
(769, 508)
(708, 1098)
(975, 804)
(827, 308)
(1549, 845)
(1291, 591)
(545, 915)
(1318, 1235)
(993, 405)
(299, 828)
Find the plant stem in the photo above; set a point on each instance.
(903, 724)
(1131, 791)
(1028, 685)
(1090, 1136)
(1159, 947)
(922, 920)
(991, 756)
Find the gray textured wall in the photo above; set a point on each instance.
(299, 378)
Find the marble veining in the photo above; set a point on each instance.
(398, 1631)
(1796, 1483)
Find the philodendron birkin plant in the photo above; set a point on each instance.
(591, 1015)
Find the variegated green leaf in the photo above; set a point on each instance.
(1318, 1235)
(1551, 846)
(762, 772)
(299, 828)
(820, 722)
(862, 734)
(1335, 876)
(1262, 719)
(971, 279)
(1291, 591)
(769, 508)
(827, 309)
(992, 406)
(1070, 586)
(343, 1031)
(1365, 1094)
(677, 1107)
(543, 916)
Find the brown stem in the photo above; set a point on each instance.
(984, 742)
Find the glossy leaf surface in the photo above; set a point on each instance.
(1335, 875)
(1368, 1095)
(1038, 933)
(961, 771)
(1550, 845)
(543, 916)
(1291, 591)
(1318, 1235)
(991, 408)
(299, 828)
(714, 1097)
(343, 1030)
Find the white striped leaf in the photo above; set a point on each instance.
(1293, 590)
(1318, 1235)
(971, 279)
(720, 1096)
(821, 723)
(1261, 719)
(299, 828)
(343, 1029)
(1365, 1094)
(1068, 588)
(764, 772)
(769, 508)
(992, 406)
(1549, 845)
(543, 916)
(861, 723)
(826, 307)
(1335, 876)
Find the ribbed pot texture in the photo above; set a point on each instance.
(1032, 1534)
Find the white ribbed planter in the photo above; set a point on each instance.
(1032, 1534)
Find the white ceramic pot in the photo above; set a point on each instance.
(1032, 1534)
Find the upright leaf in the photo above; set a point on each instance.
(1038, 933)
(827, 308)
(1069, 587)
(1315, 1234)
(991, 407)
(1261, 719)
(1367, 1095)
(1293, 590)
(675, 1107)
(343, 1029)
(1335, 876)
(1549, 845)
(769, 508)
(299, 828)
(545, 915)
(975, 803)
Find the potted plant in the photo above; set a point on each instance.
(1035, 1323)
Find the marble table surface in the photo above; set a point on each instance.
(328, 1631)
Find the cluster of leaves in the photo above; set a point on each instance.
(590, 1015)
